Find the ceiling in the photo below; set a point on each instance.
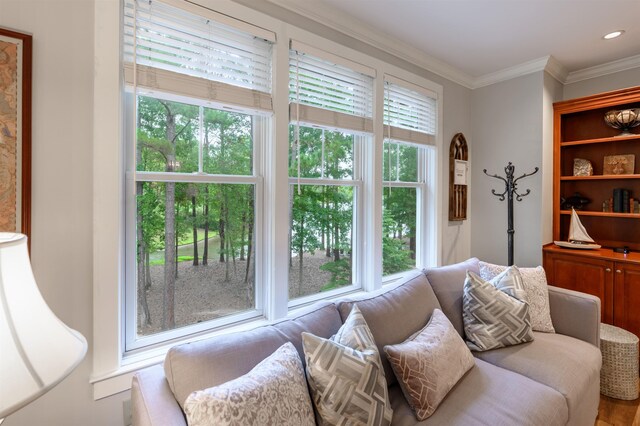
(484, 37)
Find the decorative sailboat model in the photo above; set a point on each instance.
(578, 236)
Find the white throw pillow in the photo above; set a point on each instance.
(535, 284)
(274, 392)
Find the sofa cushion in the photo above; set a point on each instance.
(447, 283)
(273, 392)
(491, 396)
(535, 285)
(206, 363)
(429, 364)
(568, 365)
(395, 312)
(346, 377)
(494, 313)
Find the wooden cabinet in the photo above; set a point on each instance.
(626, 297)
(613, 277)
(580, 132)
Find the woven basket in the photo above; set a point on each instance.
(619, 374)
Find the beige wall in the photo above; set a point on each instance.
(606, 83)
(507, 127)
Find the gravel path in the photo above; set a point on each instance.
(202, 293)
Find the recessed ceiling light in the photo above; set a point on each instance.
(613, 35)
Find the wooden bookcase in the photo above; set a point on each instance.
(580, 132)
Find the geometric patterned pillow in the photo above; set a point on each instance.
(429, 364)
(495, 313)
(274, 392)
(535, 285)
(346, 377)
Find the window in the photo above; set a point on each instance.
(331, 119)
(199, 93)
(211, 168)
(410, 127)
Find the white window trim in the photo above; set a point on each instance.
(111, 373)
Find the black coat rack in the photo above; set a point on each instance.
(510, 188)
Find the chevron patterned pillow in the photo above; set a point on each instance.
(347, 381)
(495, 313)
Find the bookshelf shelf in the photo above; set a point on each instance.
(602, 214)
(601, 177)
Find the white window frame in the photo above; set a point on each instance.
(112, 371)
(133, 176)
(356, 227)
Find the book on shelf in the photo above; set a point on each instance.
(625, 201)
(620, 202)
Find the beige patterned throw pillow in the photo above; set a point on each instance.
(345, 375)
(429, 364)
(494, 313)
(274, 393)
(535, 285)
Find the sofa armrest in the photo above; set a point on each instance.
(153, 403)
(575, 314)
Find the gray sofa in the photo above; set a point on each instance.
(554, 380)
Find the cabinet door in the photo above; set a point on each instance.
(592, 276)
(627, 297)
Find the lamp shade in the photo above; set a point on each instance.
(37, 350)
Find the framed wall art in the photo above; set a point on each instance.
(15, 131)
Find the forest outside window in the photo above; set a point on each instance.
(198, 96)
(210, 215)
(409, 130)
(330, 125)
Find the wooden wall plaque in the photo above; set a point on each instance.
(458, 176)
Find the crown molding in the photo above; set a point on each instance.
(546, 63)
(402, 50)
(604, 69)
(376, 38)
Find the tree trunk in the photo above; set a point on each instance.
(147, 270)
(205, 249)
(168, 320)
(195, 231)
(300, 256)
(176, 239)
(336, 237)
(242, 231)
(142, 276)
(168, 299)
(412, 243)
(291, 195)
(249, 248)
(221, 233)
(228, 240)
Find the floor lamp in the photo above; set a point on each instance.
(37, 350)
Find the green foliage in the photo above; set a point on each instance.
(399, 222)
(340, 273)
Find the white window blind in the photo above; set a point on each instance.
(330, 94)
(181, 49)
(410, 114)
